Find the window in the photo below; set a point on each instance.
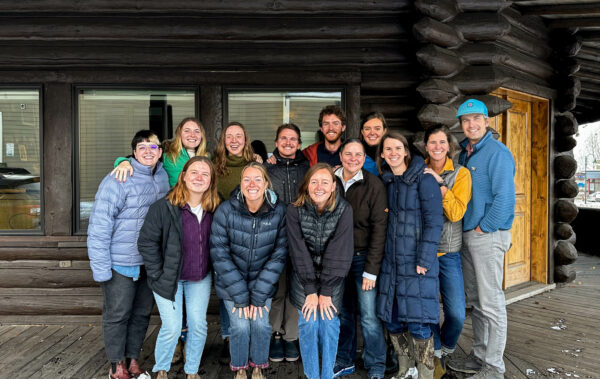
(108, 119)
(262, 112)
(20, 164)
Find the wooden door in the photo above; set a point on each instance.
(514, 127)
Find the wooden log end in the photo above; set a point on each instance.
(565, 211)
(564, 274)
(565, 166)
(563, 230)
(566, 124)
(566, 188)
(565, 144)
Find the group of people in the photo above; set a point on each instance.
(299, 246)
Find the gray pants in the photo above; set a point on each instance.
(482, 264)
(283, 315)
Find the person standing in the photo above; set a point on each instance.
(174, 244)
(286, 175)
(455, 187)
(320, 244)
(486, 238)
(332, 123)
(408, 283)
(366, 194)
(248, 248)
(117, 216)
(373, 128)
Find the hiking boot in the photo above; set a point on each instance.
(257, 373)
(225, 358)
(341, 370)
(440, 366)
(423, 351)
(401, 347)
(240, 374)
(488, 372)
(136, 372)
(276, 349)
(469, 364)
(192, 376)
(120, 372)
(291, 351)
(162, 374)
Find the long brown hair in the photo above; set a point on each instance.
(303, 195)
(220, 159)
(179, 194)
(174, 146)
(394, 135)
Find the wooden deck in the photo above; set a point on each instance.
(554, 334)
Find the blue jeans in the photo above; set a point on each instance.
(314, 336)
(452, 289)
(373, 340)
(248, 339)
(224, 317)
(196, 302)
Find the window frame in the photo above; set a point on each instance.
(76, 230)
(325, 88)
(39, 88)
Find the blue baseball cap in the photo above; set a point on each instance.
(472, 106)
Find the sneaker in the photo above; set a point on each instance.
(162, 374)
(488, 372)
(136, 372)
(120, 373)
(276, 349)
(225, 358)
(469, 364)
(291, 351)
(340, 370)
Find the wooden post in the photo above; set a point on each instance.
(211, 113)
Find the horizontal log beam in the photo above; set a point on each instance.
(441, 10)
(529, 24)
(51, 305)
(200, 29)
(187, 7)
(482, 5)
(46, 278)
(575, 22)
(560, 9)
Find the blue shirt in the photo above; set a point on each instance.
(492, 168)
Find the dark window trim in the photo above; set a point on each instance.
(75, 159)
(325, 88)
(39, 88)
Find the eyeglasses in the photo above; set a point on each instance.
(142, 147)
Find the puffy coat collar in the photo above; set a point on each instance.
(141, 169)
(237, 201)
(414, 170)
(298, 159)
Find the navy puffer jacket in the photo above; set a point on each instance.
(414, 228)
(248, 250)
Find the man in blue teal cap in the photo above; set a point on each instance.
(486, 238)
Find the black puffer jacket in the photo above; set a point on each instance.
(321, 251)
(159, 243)
(248, 250)
(287, 175)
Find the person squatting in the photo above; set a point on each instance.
(298, 246)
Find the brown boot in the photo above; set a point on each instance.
(401, 347)
(240, 374)
(120, 373)
(424, 353)
(192, 376)
(257, 373)
(440, 367)
(162, 374)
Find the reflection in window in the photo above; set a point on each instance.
(20, 207)
(262, 112)
(108, 120)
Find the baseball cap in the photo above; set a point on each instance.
(472, 106)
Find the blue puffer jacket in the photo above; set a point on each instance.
(248, 251)
(117, 216)
(414, 229)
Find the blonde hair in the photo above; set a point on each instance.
(303, 195)
(179, 194)
(220, 159)
(262, 170)
(174, 146)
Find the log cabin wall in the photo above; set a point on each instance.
(364, 48)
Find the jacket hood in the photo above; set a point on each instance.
(298, 159)
(237, 201)
(414, 170)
